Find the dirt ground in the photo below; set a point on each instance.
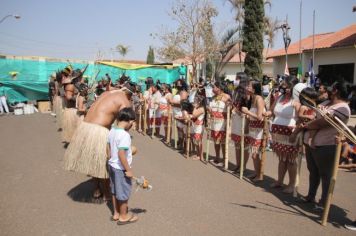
(188, 198)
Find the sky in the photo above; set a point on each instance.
(78, 29)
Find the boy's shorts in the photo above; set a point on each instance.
(120, 184)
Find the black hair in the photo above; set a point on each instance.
(256, 85)
(168, 87)
(201, 100)
(184, 85)
(59, 76)
(149, 81)
(291, 81)
(82, 89)
(187, 106)
(130, 88)
(222, 85)
(341, 88)
(308, 93)
(240, 91)
(126, 114)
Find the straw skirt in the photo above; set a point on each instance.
(58, 109)
(69, 123)
(86, 152)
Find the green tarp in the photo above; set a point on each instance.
(31, 82)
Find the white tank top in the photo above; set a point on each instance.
(284, 113)
(176, 110)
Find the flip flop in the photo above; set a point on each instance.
(129, 221)
(112, 219)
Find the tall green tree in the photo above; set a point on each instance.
(253, 30)
(150, 56)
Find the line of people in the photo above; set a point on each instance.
(295, 129)
(237, 118)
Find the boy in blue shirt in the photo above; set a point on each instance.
(119, 165)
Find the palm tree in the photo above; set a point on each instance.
(228, 48)
(122, 49)
(271, 26)
(238, 6)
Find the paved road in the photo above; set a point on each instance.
(189, 198)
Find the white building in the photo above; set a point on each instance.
(334, 55)
(230, 69)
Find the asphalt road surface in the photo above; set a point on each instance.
(188, 198)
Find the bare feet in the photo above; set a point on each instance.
(115, 217)
(196, 158)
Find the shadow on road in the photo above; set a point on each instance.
(83, 192)
(337, 215)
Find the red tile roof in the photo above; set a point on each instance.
(236, 57)
(342, 38)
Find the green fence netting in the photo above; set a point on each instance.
(31, 82)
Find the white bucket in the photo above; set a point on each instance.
(28, 109)
(18, 111)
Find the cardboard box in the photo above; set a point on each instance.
(44, 106)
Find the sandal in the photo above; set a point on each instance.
(113, 219)
(131, 219)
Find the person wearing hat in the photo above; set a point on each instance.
(86, 152)
(3, 103)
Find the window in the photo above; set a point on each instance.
(293, 71)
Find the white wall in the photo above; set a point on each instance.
(231, 69)
(322, 57)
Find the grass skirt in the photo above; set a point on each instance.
(58, 109)
(70, 123)
(86, 153)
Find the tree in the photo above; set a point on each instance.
(190, 39)
(239, 7)
(150, 56)
(253, 29)
(228, 47)
(271, 26)
(122, 49)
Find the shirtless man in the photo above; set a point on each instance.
(70, 118)
(86, 153)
